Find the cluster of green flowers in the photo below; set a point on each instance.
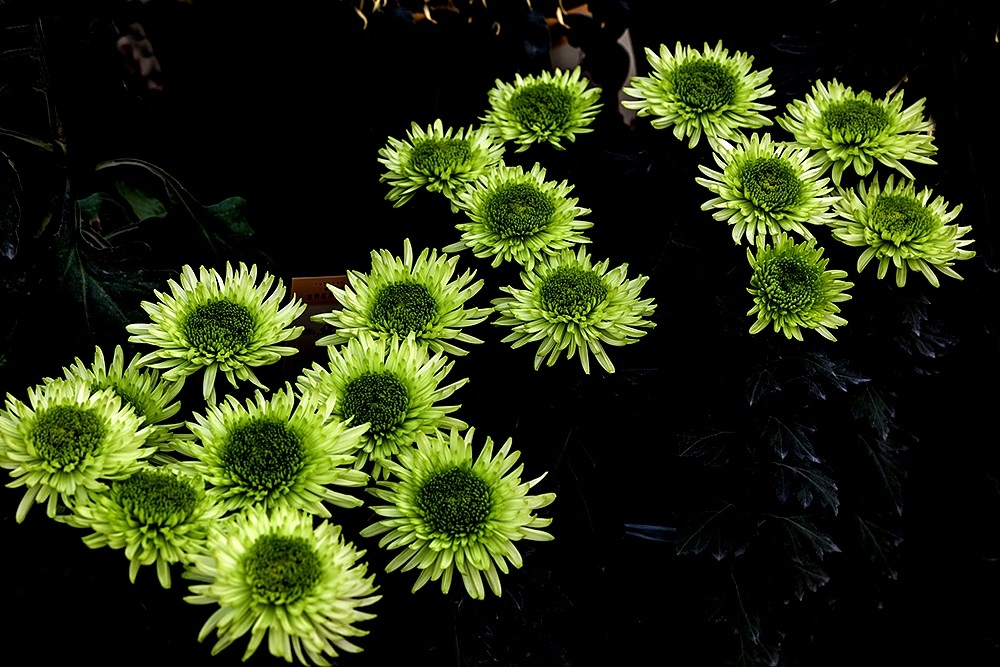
(569, 304)
(241, 496)
(767, 189)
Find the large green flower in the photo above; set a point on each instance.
(142, 388)
(275, 452)
(898, 225)
(853, 129)
(402, 296)
(546, 107)
(157, 514)
(767, 187)
(218, 324)
(276, 576)
(440, 160)
(792, 289)
(68, 443)
(448, 512)
(393, 386)
(696, 93)
(518, 216)
(569, 305)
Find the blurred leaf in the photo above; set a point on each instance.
(722, 532)
(808, 485)
(10, 211)
(808, 577)
(712, 449)
(888, 469)
(145, 200)
(880, 543)
(649, 532)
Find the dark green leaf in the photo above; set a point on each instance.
(803, 539)
(712, 449)
(881, 544)
(791, 439)
(808, 577)
(145, 200)
(721, 532)
(870, 406)
(807, 484)
(887, 467)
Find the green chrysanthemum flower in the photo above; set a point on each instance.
(518, 216)
(275, 576)
(852, 129)
(275, 452)
(218, 324)
(545, 107)
(569, 304)
(440, 160)
(142, 388)
(157, 514)
(393, 386)
(68, 443)
(696, 93)
(449, 513)
(793, 290)
(402, 296)
(767, 187)
(901, 226)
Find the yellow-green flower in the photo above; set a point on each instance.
(898, 225)
(852, 129)
(277, 577)
(394, 386)
(451, 513)
(142, 388)
(440, 160)
(767, 187)
(158, 515)
(400, 296)
(217, 324)
(699, 93)
(68, 443)
(274, 452)
(546, 107)
(569, 304)
(518, 216)
(793, 290)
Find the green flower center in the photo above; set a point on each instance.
(439, 156)
(704, 85)
(898, 218)
(219, 328)
(542, 106)
(155, 498)
(789, 284)
(770, 183)
(280, 570)
(65, 435)
(378, 399)
(515, 210)
(403, 307)
(856, 120)
(571, 292)
(455, 502)
(263, 455)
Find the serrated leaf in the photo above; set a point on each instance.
(803, 539)
(808, 485)
(870, 406)
(822, 371)
(791, 439)
(760, 385)
(712, 449)
(887, 468)
(881, 543)
(808, 577)
(722, 532)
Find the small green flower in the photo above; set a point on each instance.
(394, 386)
(440, 160)
(274, 452)
(570, 304)
(518, 216)
(218, 324)
(157, 514)
(793, 290)
(142, 388)
(767, 187)
(277, 577)
(708, 92)
(448, 512)
(899, 225)
(853, 129)
(68, 443)
(402, 296)
(545, 107)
